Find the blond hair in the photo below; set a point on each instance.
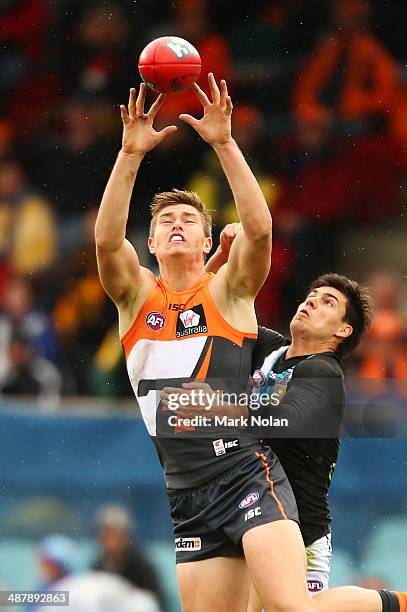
(177, 196)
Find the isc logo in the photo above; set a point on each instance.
(232, 444)
(176, 307)
(252, 513)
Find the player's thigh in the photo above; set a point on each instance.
(276, 560)
(218, 584)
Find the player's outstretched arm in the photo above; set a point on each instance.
(250, 255)
(119, 268)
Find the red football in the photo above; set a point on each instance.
(169, 64)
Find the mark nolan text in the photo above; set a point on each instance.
(253, 420)
(225, 421)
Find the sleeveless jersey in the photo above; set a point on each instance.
(180, 336)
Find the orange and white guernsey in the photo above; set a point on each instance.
(180, 336)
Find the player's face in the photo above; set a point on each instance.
(179, 231)
(321, 315)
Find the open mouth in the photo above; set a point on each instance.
(176, 238)
(304, 312)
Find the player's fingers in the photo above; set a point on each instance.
(124, 115)
(226, 88)
(237, 227)
(132, 103)
(229, 106)
(214, 88)
(141, 98)
(201, 95)
(172, 390)
(195, 385)
(223, 92)
(189, 119)
(182, 414)
(155, 107)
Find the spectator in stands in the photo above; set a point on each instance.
(97, 58)
(384, 352)
(71, 164)
(312, 204)
(57, 556)
(209, 181)
(28, 374)
(81, 314)
(191, 21)
(102, 591)
(23, 27)
(27, 225)
(119, 554)
(350, 75)
(18, 311)
(26, 64)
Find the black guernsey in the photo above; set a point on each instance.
(311, 396)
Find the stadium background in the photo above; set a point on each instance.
(320, 95)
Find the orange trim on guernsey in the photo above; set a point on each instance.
(402, 599)
(203, 370)
(271, 483)
(160, 300)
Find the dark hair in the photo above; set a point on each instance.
(359, 307)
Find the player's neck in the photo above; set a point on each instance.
(308, 346)
(181, 277)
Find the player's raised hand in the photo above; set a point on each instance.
(139, 135)
(215, 125)
(227, 236)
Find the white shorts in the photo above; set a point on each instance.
(319, 555)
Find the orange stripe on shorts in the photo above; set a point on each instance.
(271, 483)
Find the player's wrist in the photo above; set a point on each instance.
(226, 144)
(131, 155)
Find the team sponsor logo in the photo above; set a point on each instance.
(252, 513)
(191, 321)
(315, 586)
(182, 544)
(258, 379)
(249, 500)
(155, 321)
(189, 318)
(221, 448)
(181, 48)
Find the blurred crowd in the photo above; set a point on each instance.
(118, 577)
(320, 95)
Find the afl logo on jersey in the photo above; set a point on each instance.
(155, 321)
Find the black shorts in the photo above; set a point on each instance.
(209, 521)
